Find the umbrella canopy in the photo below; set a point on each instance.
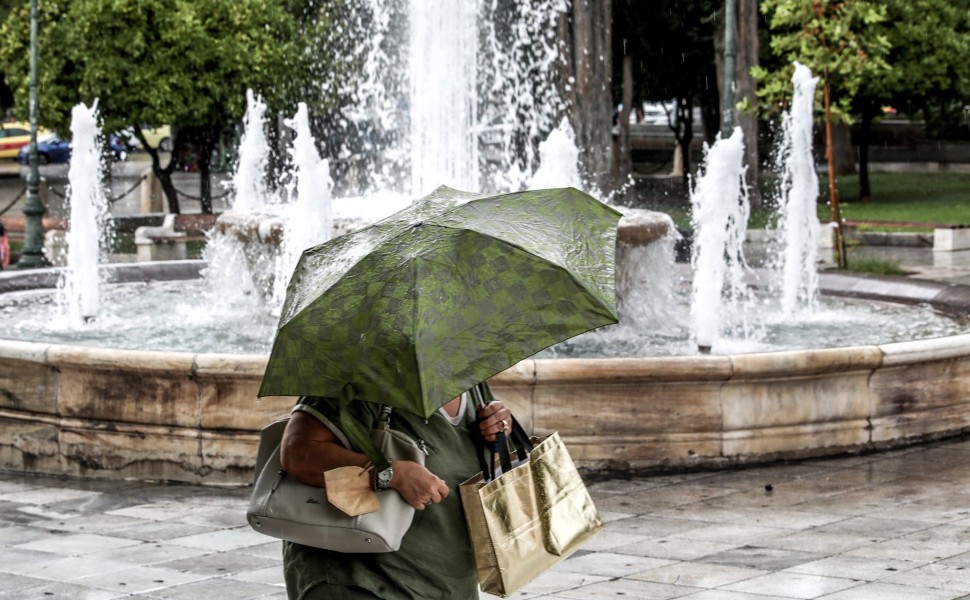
(420, 306)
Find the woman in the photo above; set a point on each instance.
(435, 559)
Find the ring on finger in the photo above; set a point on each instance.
(505, 425)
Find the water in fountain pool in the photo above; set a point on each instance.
(184, 316)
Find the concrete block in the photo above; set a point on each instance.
(951, 238)
(160, 243)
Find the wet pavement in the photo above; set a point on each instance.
(889, 525)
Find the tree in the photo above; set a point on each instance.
(585, 35)
(838, 40)
(930, 42)
(672, 58)
(185, 63)
(6, 94)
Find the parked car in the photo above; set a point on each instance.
(13, 136)
(157, 137)
(52, 149)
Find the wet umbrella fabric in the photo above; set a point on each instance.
(422, 305)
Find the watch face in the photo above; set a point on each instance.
(384, 478)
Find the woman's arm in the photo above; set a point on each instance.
(309, 449)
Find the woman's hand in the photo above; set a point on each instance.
(493, 418)
(417, 485)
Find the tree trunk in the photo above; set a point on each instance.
(746, 90)
(865, 135)
(206, 143)
(585, 34)
(684, 132)
(164, 175)
(833, 192)
(843, 154)
(626, 160)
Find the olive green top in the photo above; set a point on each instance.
(435, 559)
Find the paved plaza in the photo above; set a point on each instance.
(886, 526)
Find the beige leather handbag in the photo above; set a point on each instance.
(283, 507)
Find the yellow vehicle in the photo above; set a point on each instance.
(14, 136)
(159, 137)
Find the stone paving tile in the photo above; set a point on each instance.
(62, 591)
(673, 549)
(728, 595)
(220, 563)
(936, 575)
(10, 583)
(629, 588)
(687, 574)
(910, 549)
(268, 575)
(817, 541)
(77, 543)
(87, 523)
(46, 496)
(793, 585)
(156, 531)
(223, 539)
(765, 559)
(553, 582)
(868, 569)
(149, 553)
(888, 591)
(790, 519)
(711, 512)
(73, 567)
(735, 533)
(608, 564)
(218, 588)
(650, 526)
(265, 550)
(609, 539)
(18, 560)
(134, 580)
(20, 534)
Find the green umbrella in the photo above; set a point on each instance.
(422, 305)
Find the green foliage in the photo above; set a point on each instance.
(183, 62)
(837, 39)
(930, 43)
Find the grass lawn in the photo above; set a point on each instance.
(911, 197)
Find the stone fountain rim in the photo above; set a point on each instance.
(950, 299)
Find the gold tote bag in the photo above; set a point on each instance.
(528, 518)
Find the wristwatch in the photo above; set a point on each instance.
(382, 480)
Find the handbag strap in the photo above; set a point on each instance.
(356, 432)
(482, 396)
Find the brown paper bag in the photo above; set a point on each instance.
(349, 489)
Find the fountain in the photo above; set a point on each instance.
(720, 213)
(797, 196)
(81, 285)
(192, 416)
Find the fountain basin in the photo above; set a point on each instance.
(109, 413)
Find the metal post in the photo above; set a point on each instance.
(33, 252)
(730, 58)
